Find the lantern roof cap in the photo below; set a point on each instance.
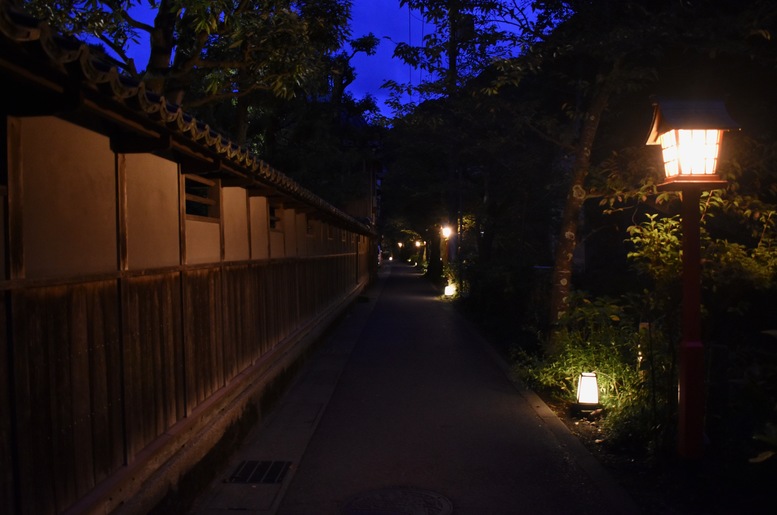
(669, 114)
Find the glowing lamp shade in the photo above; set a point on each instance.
(690, 133)
(587, 389)
(450, 290)
(446, 232)
(690, 154)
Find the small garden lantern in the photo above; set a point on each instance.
(690, 133)
(587, 389)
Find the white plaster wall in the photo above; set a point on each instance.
(152, 212)
(69, 199)
(277, 244)
(203, 242)
(234, 210)
(260, 228)
(278, 234)
(3, 207)
(290, 232)
(302, 235)
(314, 239)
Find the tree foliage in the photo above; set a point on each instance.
(596, 60)
(270, 73)
(465, 37)
(232, 47)
(474, 169)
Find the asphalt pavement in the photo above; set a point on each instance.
(407, 410)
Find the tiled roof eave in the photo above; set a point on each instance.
(110, 90)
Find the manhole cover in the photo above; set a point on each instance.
(399, 501)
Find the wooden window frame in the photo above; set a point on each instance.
(309, 227)
(202, 198)
(275, 216)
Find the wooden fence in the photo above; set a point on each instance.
(99, 371)
(156, 280)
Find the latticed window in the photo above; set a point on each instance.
(202, 198)
(276, 217)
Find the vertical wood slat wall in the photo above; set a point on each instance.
(88, 398)
(94, 370)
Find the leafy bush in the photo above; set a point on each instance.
(633, 369)
(631, 342)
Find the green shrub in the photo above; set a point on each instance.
(633, 369)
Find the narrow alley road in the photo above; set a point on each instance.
(407, 410)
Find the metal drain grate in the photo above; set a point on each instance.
(264, 472)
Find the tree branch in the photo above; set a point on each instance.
(547, 137)
(227, 95)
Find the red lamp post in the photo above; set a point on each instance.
(690, 133)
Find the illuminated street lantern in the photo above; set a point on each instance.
(690, 134)
(445, 244)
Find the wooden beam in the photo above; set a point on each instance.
(121, 210)
(261, 190)
(41, 103)
(126, 143)
(15, 198)
(232, 181)
(191, 166)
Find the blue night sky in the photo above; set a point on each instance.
(391, 24)
(386, 20)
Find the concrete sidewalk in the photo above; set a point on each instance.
(407, 410)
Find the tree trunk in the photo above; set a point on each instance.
(434, 270)
(241, 119)
(561, 285)
(162, 42)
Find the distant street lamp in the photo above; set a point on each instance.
(690, 134)
(445, 232)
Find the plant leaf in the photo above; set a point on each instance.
(765, 455)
